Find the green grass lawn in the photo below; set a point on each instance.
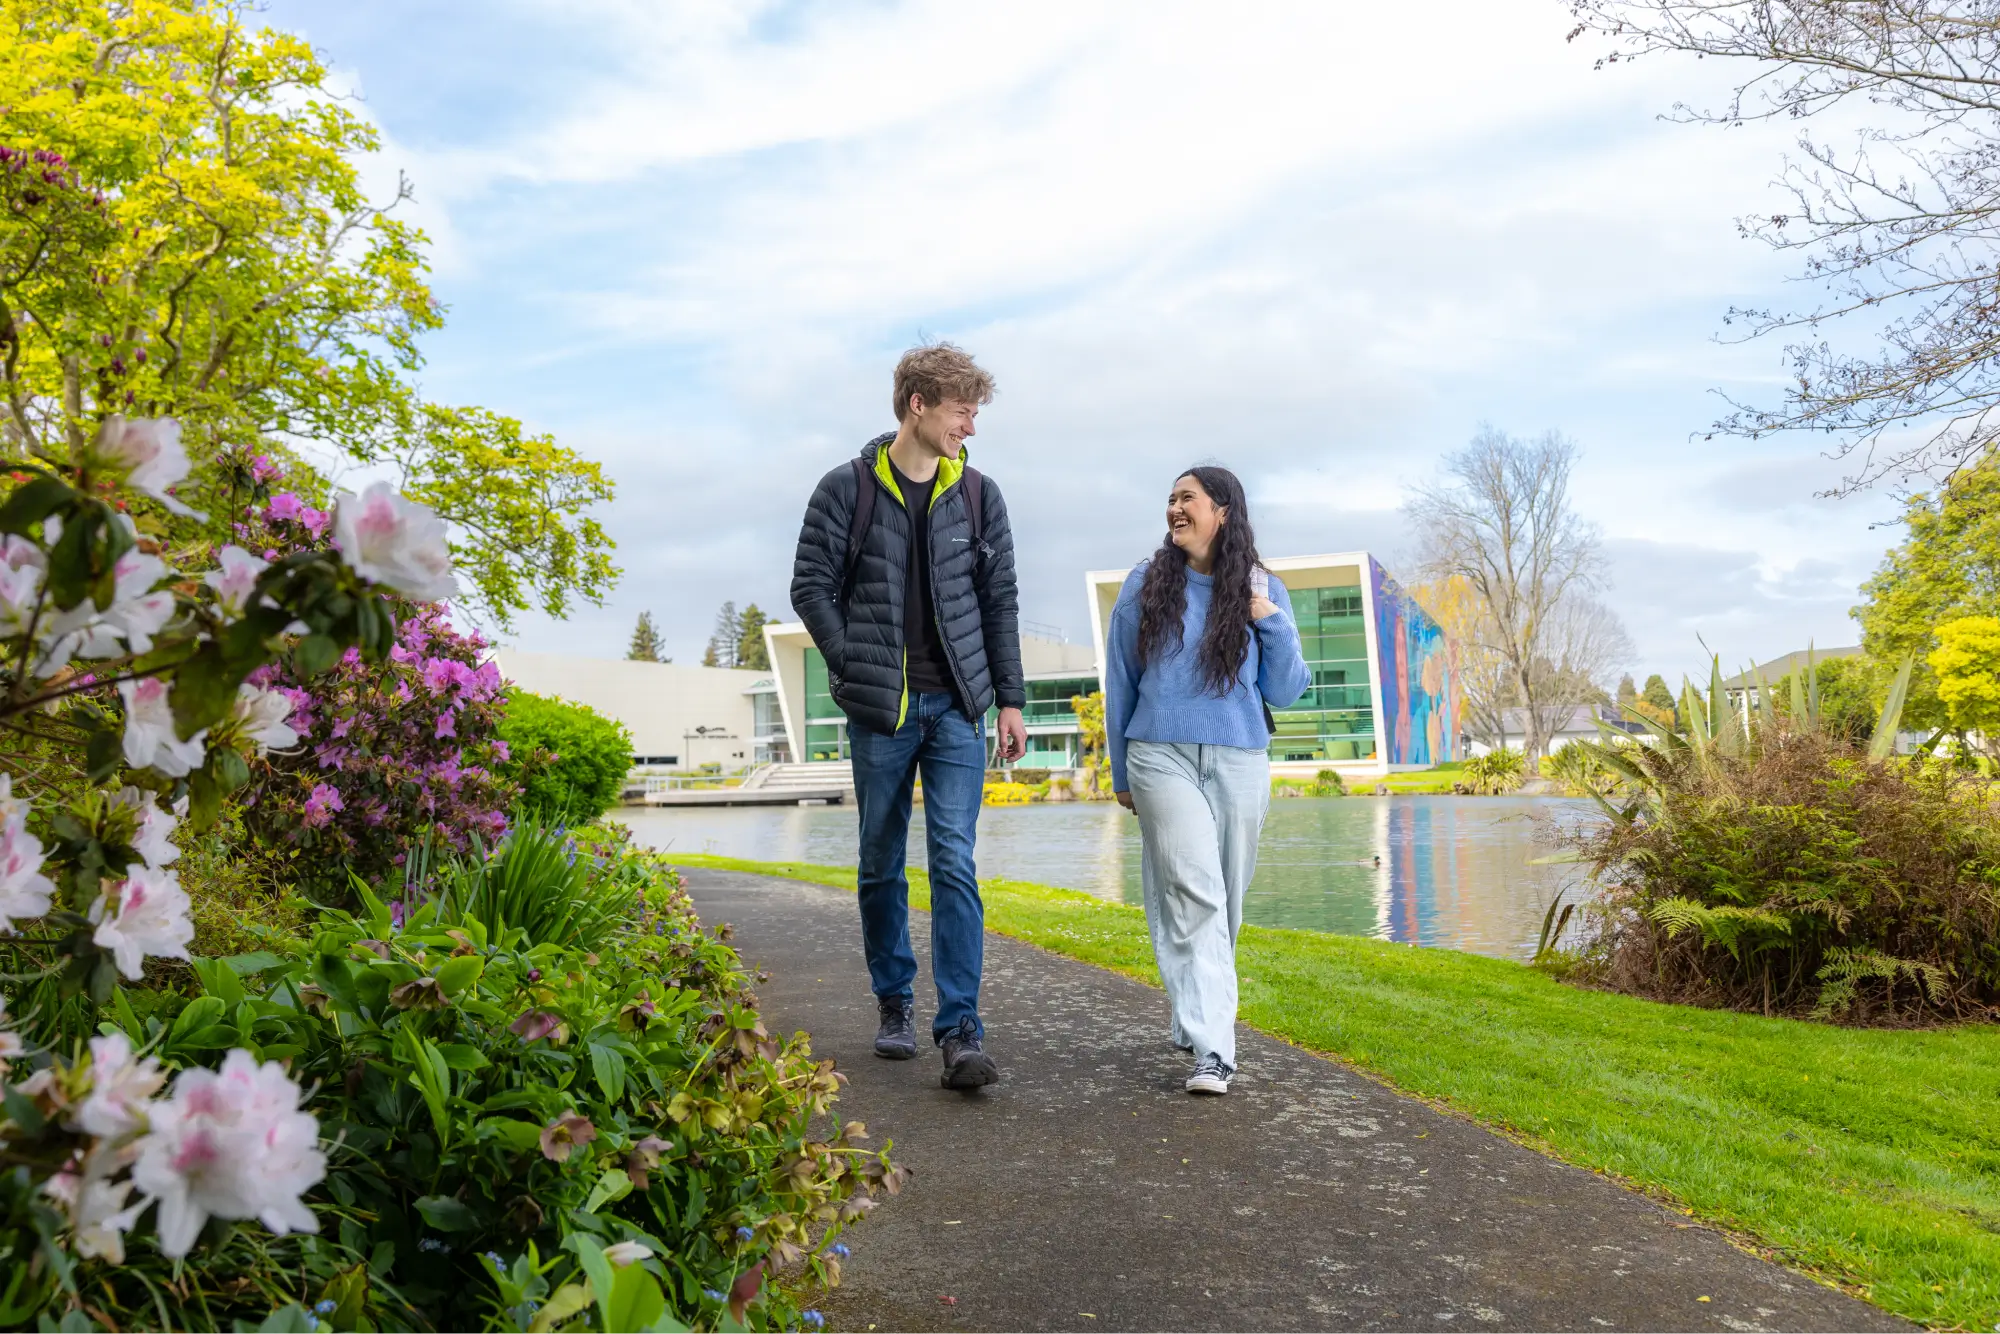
(1867, 1157)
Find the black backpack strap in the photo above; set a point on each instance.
(975, 499)
(858, 521)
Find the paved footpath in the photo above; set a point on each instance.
(1087, 1191)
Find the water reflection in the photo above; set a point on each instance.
(1452, 871)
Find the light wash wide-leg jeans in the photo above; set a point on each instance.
(1200, 811)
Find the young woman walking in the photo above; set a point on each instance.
(1202, 642)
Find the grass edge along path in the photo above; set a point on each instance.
(1865, 1157)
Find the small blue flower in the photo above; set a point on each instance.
(839, 1248)
(744, 1234)
(812, 1319)
(325, 1307)
(498, 1267)
(713, 1294)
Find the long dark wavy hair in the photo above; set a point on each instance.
(1225, 641)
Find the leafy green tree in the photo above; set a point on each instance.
(1628, 692)
(1948, 566)
(646, 644)
(202, 250)
(750, 650)
(1850, 696)
(570, 760)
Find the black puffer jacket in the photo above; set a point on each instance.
(861, 633)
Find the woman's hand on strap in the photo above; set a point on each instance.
(1260, 607)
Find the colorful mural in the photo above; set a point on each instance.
(1418, 670)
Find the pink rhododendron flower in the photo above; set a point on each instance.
(394, 542)
(154, 841)
(235, 580)
(230, 1144)
(285, 506)
(447, 725)
(321, 805)
(144, 914)
(120, 1089)
(98, 1215)
(24, 891)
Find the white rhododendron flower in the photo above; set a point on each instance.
(154, 841)
(395, 542)
(236, 579)
(98, 1215)
(144, 914)
(150, 739)
(121, 1089)
(265, 712)
(150, 453)
(24, 890)
(627, 1252)
(10, 1041)
(230, 1144)
(135, 615)
(22, 566)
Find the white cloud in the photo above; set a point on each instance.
(1318, 242)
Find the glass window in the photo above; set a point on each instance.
(1334, 719)
(826, 726)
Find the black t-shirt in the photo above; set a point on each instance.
(928, 669)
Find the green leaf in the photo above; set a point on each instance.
(202, 1012)
(591, 1256)
(219, 981)
(1883, 743)
(316, 653)
(291, 1319)
(462, 1056)
(613, 1185)
(36, 500)
(348, 1290)
(455, 975)
(246, 965)
(609, 1068)
(447, 1214)
(520, 1136)
(636, 1301)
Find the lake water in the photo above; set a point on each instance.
(1454, 871)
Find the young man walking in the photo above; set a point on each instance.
(905, 578)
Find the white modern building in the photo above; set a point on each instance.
(1385, 690)
(680, 717)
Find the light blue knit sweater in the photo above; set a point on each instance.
(1165, 700)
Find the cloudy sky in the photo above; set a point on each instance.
(1320, 243)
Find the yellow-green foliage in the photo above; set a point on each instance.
(1967, 663)
(1008, 794)
(240, 892)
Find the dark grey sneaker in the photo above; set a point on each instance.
(1210, 1075)
(896, 1039)
(965, 1065)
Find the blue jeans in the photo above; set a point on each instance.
(950, 751)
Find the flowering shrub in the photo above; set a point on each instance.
(504, 1128)
(393, 750)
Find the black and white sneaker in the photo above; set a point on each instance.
(965, 1065)
(1211, 1075)
(896, 1039)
